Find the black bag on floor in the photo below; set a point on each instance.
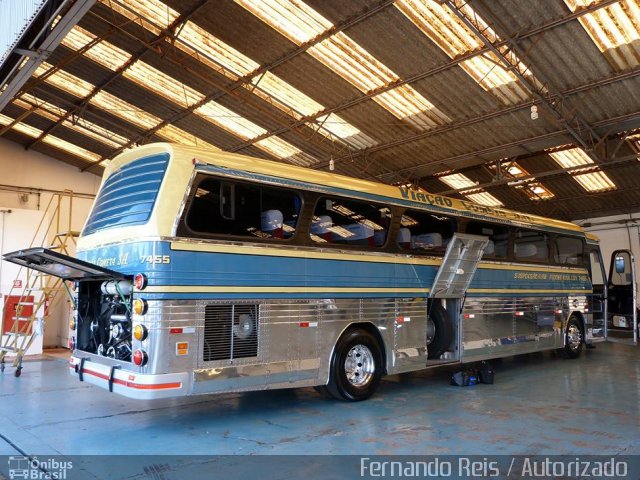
(486, 373)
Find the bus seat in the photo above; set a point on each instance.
(426, 240)
(271, 223)
(403, 239)
(360, 234)
(379, 237)
(525, 250)
(490, 249)
(321, 227)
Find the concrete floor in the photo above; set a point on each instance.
(540, 404)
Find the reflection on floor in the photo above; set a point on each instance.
(540, 404)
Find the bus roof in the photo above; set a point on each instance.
(382, 191)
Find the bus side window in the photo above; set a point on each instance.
(531, 246)
(350, 222)
(237, 208)
(498, 237)
(568, 251)
(427, 232)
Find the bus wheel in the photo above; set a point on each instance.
(574, 339)
(356, 366)
(439, 330)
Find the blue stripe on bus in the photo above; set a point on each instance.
(195, 269)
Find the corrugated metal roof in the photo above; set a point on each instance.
(405, 89)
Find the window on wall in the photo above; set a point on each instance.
(350, 222)
(531, 246)
(568, 251)
(498, 237)
(425, 232)
(228, 207)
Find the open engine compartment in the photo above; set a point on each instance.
(103, 318)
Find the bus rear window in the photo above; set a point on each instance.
(128, 196)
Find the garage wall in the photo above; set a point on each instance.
(617, 232)
(28, 181)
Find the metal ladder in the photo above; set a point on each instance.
(42, 292)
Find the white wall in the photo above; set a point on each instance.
(41, 174)
(616, 232)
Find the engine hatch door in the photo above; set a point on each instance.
(60, 265)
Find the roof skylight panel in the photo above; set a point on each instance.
(65, 81)
(457, 181)
(531, 188)
(103, 53)
(484, 198)
(230, 121)
(162, 84)
(595, 181)
(300, 23)
(614, 29)
(85, 127)
(177, 135)
(104, 100)
(56, 142)
(143, 10)
(283, 149)
(447, 31)
(231, 63)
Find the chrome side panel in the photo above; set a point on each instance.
(295, 340)
(503, 326)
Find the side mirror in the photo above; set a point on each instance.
(620, 264)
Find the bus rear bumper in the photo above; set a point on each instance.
(128, 383)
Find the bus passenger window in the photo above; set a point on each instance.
(498, 237)
(531, 246)
(223, 207)
(349, 222)
(425, 232)
(568, 251)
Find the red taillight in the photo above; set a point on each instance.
(140, 281)
(72, 343)
(140, 358)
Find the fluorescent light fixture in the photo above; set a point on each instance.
(300, 23)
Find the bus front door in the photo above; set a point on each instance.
(622, 316)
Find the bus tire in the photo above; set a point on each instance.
(573, 338)
(356, 366)
(441, 328)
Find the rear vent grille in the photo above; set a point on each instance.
(230, 332)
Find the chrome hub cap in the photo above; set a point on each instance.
(574, 337)
(431, 330)
(359, 365)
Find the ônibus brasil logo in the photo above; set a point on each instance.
(34, 469)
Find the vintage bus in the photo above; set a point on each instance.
(204, 271)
